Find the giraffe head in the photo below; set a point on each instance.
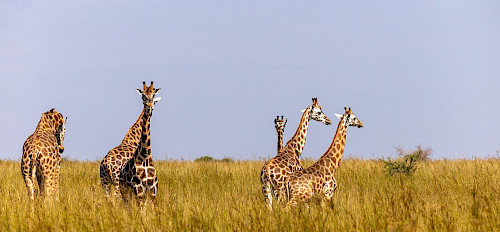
(60, 133)
(148, 96)
(349, 119)
(280, 124)
(52, 119)
(55, 121)
(317, 114)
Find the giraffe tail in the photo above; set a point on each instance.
(266, 178)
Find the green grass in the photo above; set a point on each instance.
(453, 195)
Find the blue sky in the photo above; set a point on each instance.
(415, 73)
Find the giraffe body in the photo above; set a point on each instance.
(41, 155)
(280, 124)
(116, 158)
(138, 175)
(319, 178)
(275, 173)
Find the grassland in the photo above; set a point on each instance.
(453, 195)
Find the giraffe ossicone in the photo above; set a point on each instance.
(275, 172)
(319, 178)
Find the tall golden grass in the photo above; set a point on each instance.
(451, 195)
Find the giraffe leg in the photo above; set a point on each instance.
(50, 191)
(55, 178)
(153, 187)
(105, 179)
(31, 189)
(291, 203)
(329, 189)
(29, 178)
(154, 191)
(281, 193)
(50, 182)
(139, 193)
(268, 194)
(117, 191)
(124, 191)
(293, 197)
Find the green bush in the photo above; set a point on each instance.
(211, 159)
(407, 163)
(205, 159)
(421, 154)
(406, 166)
(227, 160)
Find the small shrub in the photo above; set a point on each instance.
(211, 159)
(205, 159)
(421, 154)
(66, 159)
(227, 160)
(407, 164)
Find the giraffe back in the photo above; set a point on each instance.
(49, 131)
(116, 158)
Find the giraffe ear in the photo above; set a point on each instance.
(139, 91)
(339, 116)
(303, 110)
(157, 99)
(157, 90)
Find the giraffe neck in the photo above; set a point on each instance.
(280, 139)
(333, 155)
(297, 142)
(134, 132)
(143, 152)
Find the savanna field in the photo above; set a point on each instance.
(442, 195)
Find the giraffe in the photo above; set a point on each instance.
(276, 171)
(42, 155)
(280, 124)
(319, 179)
(116, 158)
(138, 175)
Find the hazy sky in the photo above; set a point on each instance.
(414, 72)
